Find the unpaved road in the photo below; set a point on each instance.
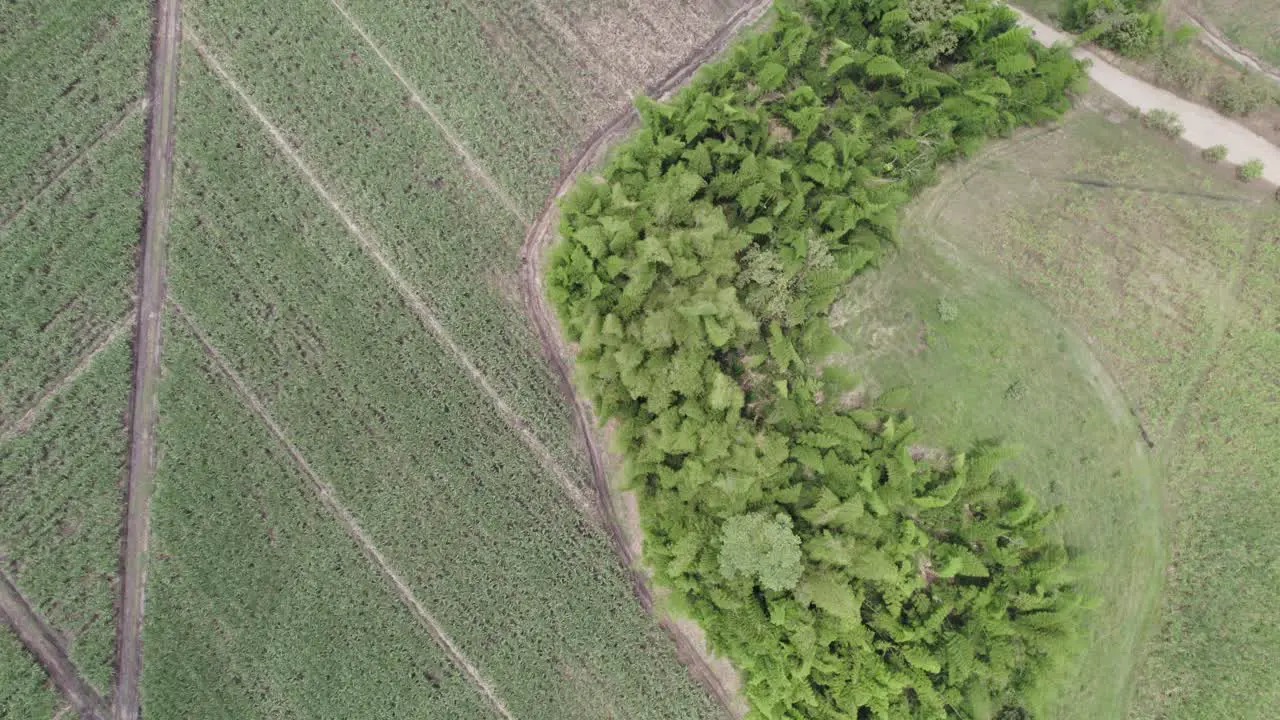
(163, 95)
(536, 241)
(47, 648)
(1204, 128)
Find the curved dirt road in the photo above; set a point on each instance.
(1203, 127)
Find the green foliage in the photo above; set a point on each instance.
(1251, 170)
(1244, 94)
(695, 275)
(947, 311)
(1215, 154)
(1129, 27)
(1165, 122)
(1180, 67)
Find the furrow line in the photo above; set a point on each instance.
(162, 89)
(46, 647)
(325, 493)
(411, 298)
(100, 138)
(28, 418)
(474, 167)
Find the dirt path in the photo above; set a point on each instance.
(325, 493)
(1203, 127)
(163, 92)
(1213, 38)
(45, 645)
(536, 241)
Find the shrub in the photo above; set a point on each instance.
(1180, 68)
(1251, 170)
(1242, 95)
(1215, 154)
(947, 311)
(1163, 121)
(1129, 27)
(695, 273)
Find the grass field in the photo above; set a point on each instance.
(527, 588)
(980, 360)
(1168, 274)
(24, 688)
(1250, 24)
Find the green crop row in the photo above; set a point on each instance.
(525, 586)
(66, 270)
(391, 169)
(67, 73)
(258, 603)
(24, 688)
(60, 506)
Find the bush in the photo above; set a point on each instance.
(1242, 95)
(1215, 154)
(1129, 27)
(1251, 170)
(947, 311)
(1164, 121)
(1180, 68)
(695, 273)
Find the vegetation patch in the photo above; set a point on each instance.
(841, 574)
(1130, 27)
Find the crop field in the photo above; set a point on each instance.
(60, 509)
(1166, 268)
(24, 688)
(258, 596)
(339, 351)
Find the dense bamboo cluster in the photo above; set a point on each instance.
(843, 576)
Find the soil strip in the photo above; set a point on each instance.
(536, 241)
(325, 493)
(407, 293)
(45, 645)
(163, 95)
(28, 418)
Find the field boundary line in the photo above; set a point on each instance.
(474, 167)
(162, 89)
(106, 134)
(328, 497)
(28, 418)
(45, 646)
(532, 257)
(406, 291)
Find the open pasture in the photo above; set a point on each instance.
(1165, 267)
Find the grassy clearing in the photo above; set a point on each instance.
(394, 172)
(67, 72)
(24, 688)
(1251, 24)
(60, 509)
(259, 604)
(981, 360)
(1175, 294)
(66, 270)
(528, 591)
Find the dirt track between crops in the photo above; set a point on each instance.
(162, 91)
(43, 643)
(536, 241)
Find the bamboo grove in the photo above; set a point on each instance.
(845, 577)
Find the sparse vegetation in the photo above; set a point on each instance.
(1251, 170)
(1244, 94)
(1215, 154)
(1164, 121)
(696, 280)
